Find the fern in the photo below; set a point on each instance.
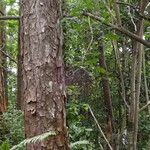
(5, 145)
(34, 139)
(84, 142)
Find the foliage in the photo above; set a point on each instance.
(144, 130)
(83, 36)
(5, 145)
(79, 132)
(13, 118)
(34, 139)
(79, 32)
(4, 130)
(78, 143)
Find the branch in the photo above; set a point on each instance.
(119, 28)
(3, 67)
(144, 107)
(109, 10)
(142, 16)
(120, 73)
(9, 17)
(1, 12)
(4, 53)
(99, 127)
(127, 4)
(91, 30)
(117, 12)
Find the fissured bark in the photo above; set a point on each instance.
(43, 84)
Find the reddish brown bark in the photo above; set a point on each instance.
(42, 73)
(107, 97)
(3, 75)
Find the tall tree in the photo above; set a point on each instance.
(43, 84)
(137, 61)
(107, 96)
(3, 73)
(19, 74)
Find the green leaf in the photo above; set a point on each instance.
(34, 139)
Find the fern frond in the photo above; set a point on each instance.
(84, 142)
(5, 145)
(34, 139)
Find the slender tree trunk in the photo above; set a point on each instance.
(146, 91)
(43, 89)
(3, 73)
(145, 84)
(137, 94)
(19, 72)
(140, 48)
(136, 80)
(132, 103)
(107, 97)
(125, 107)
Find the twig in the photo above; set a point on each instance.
(127, 4)
(132, 20)
(144, 107)
(100, 145)
(114, 44)
(3, 67)
(109, 10)
(7, 54)
(1, 12)
(9, 17)
(142, 16)
(100, 129)
(91, 30)
(119, 28)
(117, 12)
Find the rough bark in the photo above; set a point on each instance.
(3, 73)
(43, 86)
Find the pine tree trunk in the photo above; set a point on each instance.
(43, 89)
(3, 73)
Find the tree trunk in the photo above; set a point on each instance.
(3, 73)
(107, 97)
(43, 89)
(140, 48)
(136, 80)
(19, 73)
